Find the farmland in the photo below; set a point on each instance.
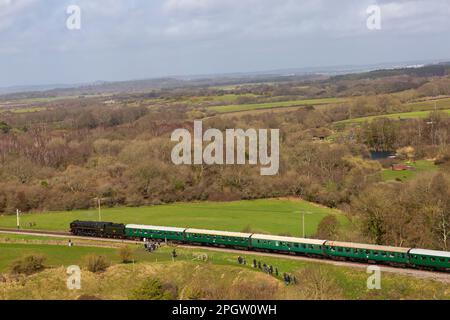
(272, 105)
(393, 116)
(420, 167)
(265, 216)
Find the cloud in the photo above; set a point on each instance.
(213, 34)
(11, 9)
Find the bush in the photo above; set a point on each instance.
(328, 228)
(150, 289)
(125, 254)
(96, 263)
(28, 265)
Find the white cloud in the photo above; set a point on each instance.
(11, 9)
(233, 32)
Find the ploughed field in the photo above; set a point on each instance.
(271, 216)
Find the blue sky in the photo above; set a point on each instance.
(136, 39)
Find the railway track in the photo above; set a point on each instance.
(438, 276)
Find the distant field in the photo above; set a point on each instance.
(430, 104)
(394, 116)
(266, 216)
(292, 103)
(421, 166)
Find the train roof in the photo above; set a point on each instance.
(219, 233)
(367, 246)
(433, 253)
(287, 239)
(159, 228)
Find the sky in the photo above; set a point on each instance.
(139, 39)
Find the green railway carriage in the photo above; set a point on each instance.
(287, 244)
(221, 238)
(154, 232)
(430, 258)
(367, 252)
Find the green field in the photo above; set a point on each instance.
(421, 166)
(56, 255)
(212, 274)
(269, 105)
(271, 216)
(429, 104)
(394, 116)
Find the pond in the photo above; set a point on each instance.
(379, 155)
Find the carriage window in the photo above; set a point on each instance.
(442, 260)
(339, 249)
(296, 245)
(384, 254)
(433, 259)
(424, 258)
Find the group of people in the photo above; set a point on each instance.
(288, 279)
(269, 269)
(151, 245)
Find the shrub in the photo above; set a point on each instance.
(150, 289)
(125, 254)
(28, 265)
(96, 263)
(328, 228)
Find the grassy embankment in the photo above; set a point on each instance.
(201, 274)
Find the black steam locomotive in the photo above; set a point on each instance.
(98, 229)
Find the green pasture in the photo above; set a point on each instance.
(272, 216)
(420, 166)
(291, 103)
(393, 116)
(440, 104)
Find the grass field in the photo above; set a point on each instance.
(394, 116)
(271, 216)
(421, 166)
(443, 103)
(56, 255)
(216, 276)
(268, 105)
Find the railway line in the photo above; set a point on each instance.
(423, 274)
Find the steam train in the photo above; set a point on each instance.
(346, 251)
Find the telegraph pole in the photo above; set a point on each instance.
(18, 218)
(99, 210)
(303, 220)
